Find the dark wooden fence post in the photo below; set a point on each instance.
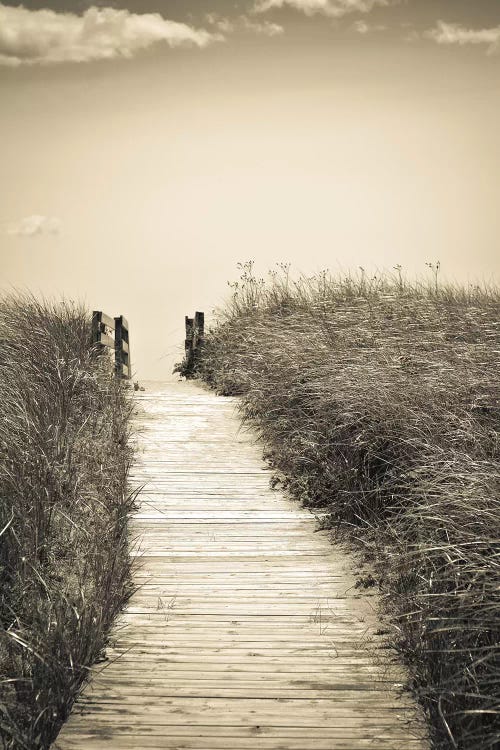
(195, 332)
(199, 329)
(96, 326)
(189, 342)
(122, 348)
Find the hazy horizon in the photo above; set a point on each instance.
(148, 147)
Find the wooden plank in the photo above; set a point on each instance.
(304, 711)
(107, 320)
(101, 740)
(246, 629)
(106, 340)
(245, 689)
(345, 689)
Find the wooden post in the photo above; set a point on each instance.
(122, 348)
(96, 326)
(195, 331)
(199, 329)
(189, 342)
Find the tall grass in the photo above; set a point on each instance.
(64, 567)
(379, 400)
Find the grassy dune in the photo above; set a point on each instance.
(64, 567)
(379, 400)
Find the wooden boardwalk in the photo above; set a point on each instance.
(247, 631)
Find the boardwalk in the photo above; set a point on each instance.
(247, 631)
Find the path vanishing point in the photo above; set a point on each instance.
(246, 631)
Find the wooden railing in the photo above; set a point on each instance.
(113, 333)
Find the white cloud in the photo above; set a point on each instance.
(244, 23)
(367, 28)
(34, 225)
(453, 33)
(222, 24)
(266, 28)
(43, 36)
(330, 8)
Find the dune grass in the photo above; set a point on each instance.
(64, 565)
(378, 399)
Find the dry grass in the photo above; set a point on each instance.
(379, 399)
(64, 567)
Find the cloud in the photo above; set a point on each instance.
(222, 24)
(367, 28)
(227, 26)
(266, 28)
(330, 8)
(33, 37)
(453, 33)
(34, 225)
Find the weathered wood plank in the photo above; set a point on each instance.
(102, 740)
(106, 340)
(106, 320)
(246, 629)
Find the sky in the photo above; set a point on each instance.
(148, 146)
